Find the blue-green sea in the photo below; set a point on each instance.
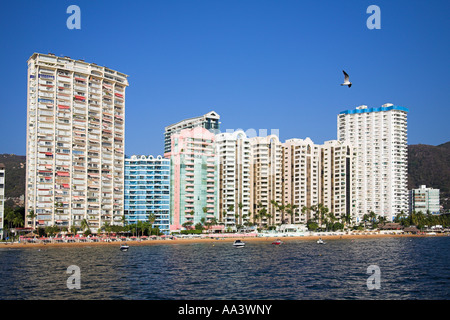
(409, 268)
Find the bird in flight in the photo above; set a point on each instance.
(346, 80)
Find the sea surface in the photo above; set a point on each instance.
(409, 268)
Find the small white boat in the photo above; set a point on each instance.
(124, 247)
(238, 243)
(320, 241)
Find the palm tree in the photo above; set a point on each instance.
(187, 224)
(240, 205)
(382, 220)
(332, 218)
(247, 218)
(140, 228)
(212, 222)
(18, 221)
(399, 217)
(73, 229)
(420, 220)
(304, 210)
(292, 211)
(280, 207)
(320, 212)
(365, 219)
(262, 214)
(123, 220)
(257, 216)
(275, 205)
(151, 218)
(270, 218)
(323, 211)
(372, 217)
(106, 227)
(84, 225)
(230, 209)
(347, 219)
(31, 215)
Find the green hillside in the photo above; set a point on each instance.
(14, 177)
(430, 165)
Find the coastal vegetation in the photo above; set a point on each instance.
(319, 219)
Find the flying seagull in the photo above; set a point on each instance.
(346, 80)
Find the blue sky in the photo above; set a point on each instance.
(259, 64)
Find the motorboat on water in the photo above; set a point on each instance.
(320, 241)
(238, 243)
(277, 242)
(124, 247)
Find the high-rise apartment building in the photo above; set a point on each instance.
(75, 142)
(147, 190)
(234, 165)
(2, 198)
(266, 179)
(209, 121)
(379, 136)
(318, 174)
(301, 175)
(337, 179)
(193, 178)
(424, 200)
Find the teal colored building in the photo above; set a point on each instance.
(147, 190)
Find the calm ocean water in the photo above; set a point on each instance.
(411, 268)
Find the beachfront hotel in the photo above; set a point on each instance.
(379, 136)
(209, 121)
(338, 185)
(234, 165)
(424, 200)
(301, 175)
(75, 142)
(314, 174)
(2, 198)
(193, 178)
(147, 190)
(266, 177)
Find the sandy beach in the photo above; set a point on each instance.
(216, 238)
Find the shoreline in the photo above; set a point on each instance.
(212, 239)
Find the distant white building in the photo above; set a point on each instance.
(424, 199)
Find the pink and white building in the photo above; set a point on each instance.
(193, 178)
